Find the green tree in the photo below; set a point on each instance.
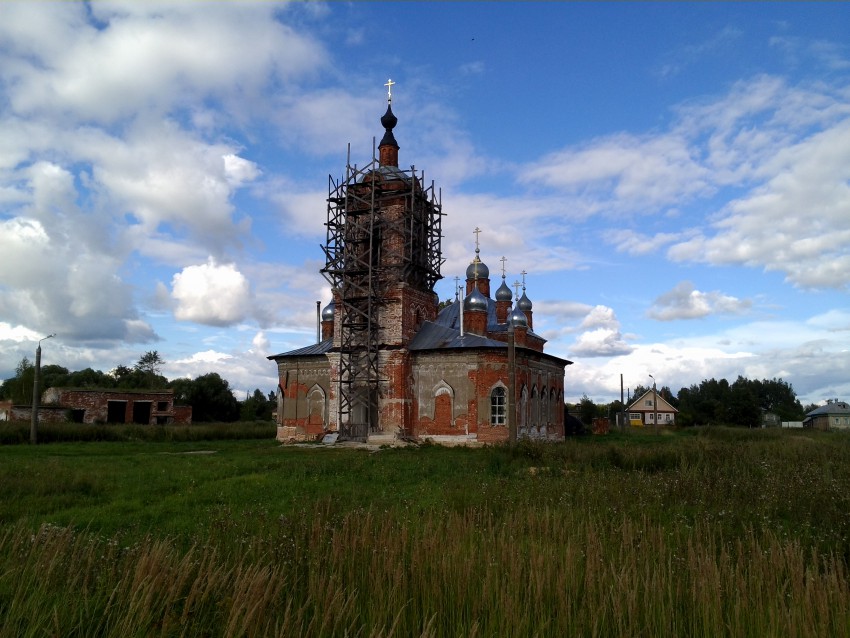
(150, 363)
(210, 397)
(18, 389)
(256, 407)
(742, 406)
(144, 375)
(90, 378)
(587, 409)
(53, 376)
(638, 391)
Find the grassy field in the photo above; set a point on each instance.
(716, 532)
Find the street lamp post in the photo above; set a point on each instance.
(35, 393)
(654, 404)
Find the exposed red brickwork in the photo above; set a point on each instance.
(388, 155)
(475, 322)
(520, 336)
(395, 400)
(483, 286)
(502, 309)
(148, 407)
(327, 330)
(303, 411)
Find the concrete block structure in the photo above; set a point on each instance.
(389, 363)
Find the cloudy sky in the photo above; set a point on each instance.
(675, 178)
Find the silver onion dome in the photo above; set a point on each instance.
(477, 269)
(475, 301)
(503, 293)
(518, 319)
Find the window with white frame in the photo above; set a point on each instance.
(497, 406)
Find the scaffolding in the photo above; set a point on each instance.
(384, 228)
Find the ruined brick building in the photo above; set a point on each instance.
(389, 364)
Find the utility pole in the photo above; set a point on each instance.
(654, 404)
(622, 405)
(511, 401)
(35, 393)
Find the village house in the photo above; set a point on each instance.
(650, 406)
(835, 415)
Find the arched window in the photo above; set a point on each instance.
(443, 406)
(316, 405)
(535, 407)
(553, 406)
(497, 406)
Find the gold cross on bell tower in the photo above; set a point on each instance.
(389, 84)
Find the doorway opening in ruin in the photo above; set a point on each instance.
(116, 411)
(142, 412)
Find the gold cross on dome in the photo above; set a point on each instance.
(503, 260)
(523, 273)
(477, 232)
(389, 84)
(516, 288)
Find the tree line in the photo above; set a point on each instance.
(744, 402)
(210, 396)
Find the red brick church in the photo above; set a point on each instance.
(389, 363)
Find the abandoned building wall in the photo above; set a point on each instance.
(443, 393)
(305, 390)
(540, 390)
(395, 393)
(46, 414)
(454, 394)
(83, 405)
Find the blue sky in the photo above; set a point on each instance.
(675, 177)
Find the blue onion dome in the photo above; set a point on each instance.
(477, 269)
(475, 301)
(518, 319)
(524, 302)
(503, 293)
(328, 311)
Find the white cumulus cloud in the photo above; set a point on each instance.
(211, 294)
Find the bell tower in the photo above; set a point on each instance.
(383, 257)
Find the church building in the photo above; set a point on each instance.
(392, 363)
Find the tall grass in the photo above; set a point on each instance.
(17, 432)
(697, 534)
(533, 572)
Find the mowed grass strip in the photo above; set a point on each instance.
(713, 533)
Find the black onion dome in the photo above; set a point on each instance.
(475, 301)
(477, 269)
(518, 319)
(524, 302)
(388, 121)
(328, 312)
(503, 293)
